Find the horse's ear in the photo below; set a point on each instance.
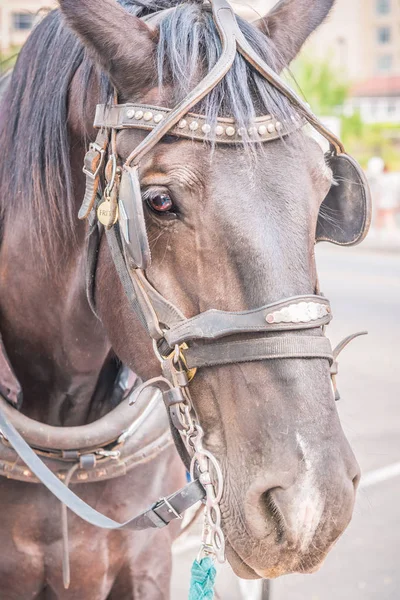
(121, 43)
(290, 23)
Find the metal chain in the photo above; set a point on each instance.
(203, 462)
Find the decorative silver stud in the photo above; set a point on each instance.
(278, 126)
(138, 115)
(303, 312)
(262, 130)
(182, 124)
(230, 131)
(219, 130)
(206, 128)
(158, 118)
(148, 116)
(241, 131)
(130, 113)
(271, 128)
(194, 126)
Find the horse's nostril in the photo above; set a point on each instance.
(356, 480)
(274, 512)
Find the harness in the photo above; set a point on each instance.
(183, 345)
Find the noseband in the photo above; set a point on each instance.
(215, 337)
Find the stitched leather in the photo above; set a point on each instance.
(121, 116)
(251, 350)
(214, 324)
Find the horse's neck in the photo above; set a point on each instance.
(55, 343)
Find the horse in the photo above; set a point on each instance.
(230, 228)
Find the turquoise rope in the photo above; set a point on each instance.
(203, 580)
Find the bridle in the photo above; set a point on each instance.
(183, 345)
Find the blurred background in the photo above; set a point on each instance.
(349, 72)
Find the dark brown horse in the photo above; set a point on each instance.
(240, 234)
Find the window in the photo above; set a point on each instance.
(383, 7)
(384, 35)
(385, 63)
(23, 21)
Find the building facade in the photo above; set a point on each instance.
(362, 37)
(17, 18)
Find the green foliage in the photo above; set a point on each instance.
(323, 86)
(327, 89)
(8, 59)
(353, 127)
(377, 139)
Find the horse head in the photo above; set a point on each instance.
(232, 228)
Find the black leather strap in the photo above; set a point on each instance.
(250, 350)
(158, 515)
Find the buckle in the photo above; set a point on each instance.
(93, 147)
(178, 358)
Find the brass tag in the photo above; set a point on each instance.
(107, 214)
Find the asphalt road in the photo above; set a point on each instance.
(364, 289)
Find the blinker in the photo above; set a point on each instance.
(131, 218)
(345, 214)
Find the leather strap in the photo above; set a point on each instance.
(94, 160)
(302, 312)
(257, 349)
(225, 21)
(159, 515)
(101, 433)
(138, 299)
(193, 127)
(93, 248)
(273, 78)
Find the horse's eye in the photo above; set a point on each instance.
(161, 202)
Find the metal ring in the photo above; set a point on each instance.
(220, 477)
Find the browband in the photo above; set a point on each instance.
(193, 126)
